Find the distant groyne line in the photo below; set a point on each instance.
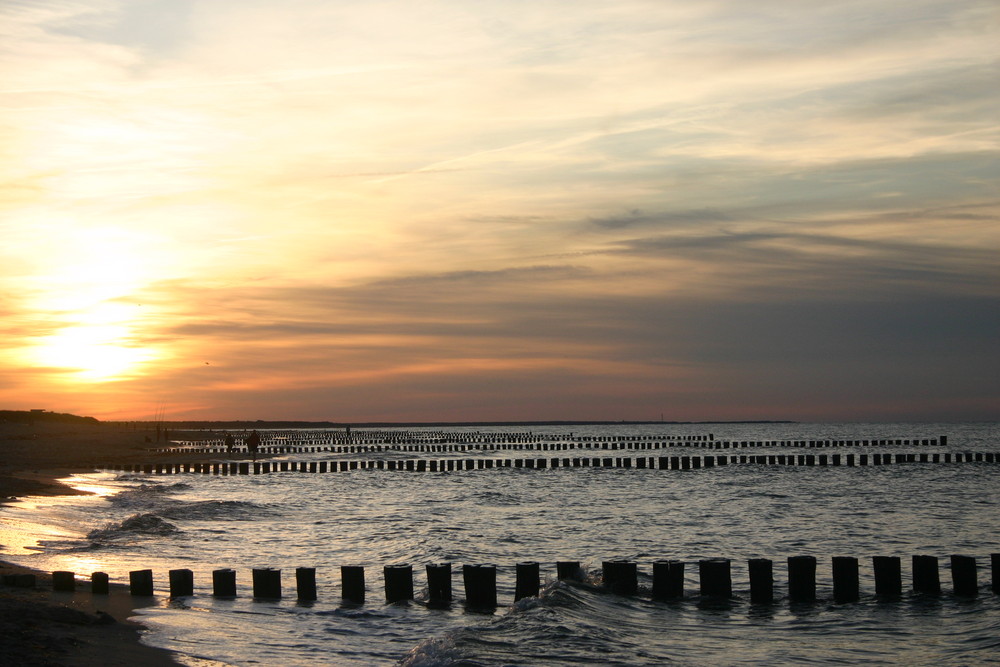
(229, 425)
(642, 463)
(377, 443)
(665, 582)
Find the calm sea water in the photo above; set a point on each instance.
(504, 516)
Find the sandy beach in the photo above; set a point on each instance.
(39, 626)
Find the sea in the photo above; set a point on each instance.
(503, 516)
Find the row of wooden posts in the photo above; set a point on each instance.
(617, 576)
(646, 462)
(302, 447)
(396, 438)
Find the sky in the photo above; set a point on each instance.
(472, 210)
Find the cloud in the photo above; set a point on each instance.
(599, 207)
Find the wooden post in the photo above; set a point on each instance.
(305, 583)
(439, 583)
(266, 583)
(480, 586)
(845, 579)
(569, 570)
(926, 575)
(802, 578)
(141, 582)
(761, 580)
(963, 575)
(527, 584)
(352, 581)
(715, 578)
(620, 577)
(99, 584)
(888, 577)
(668, 579)
(224, 583)
(63, 581)
(181, 583)
(398, 582)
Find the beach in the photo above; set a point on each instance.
(40, 626)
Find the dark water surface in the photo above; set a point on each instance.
(504, 516)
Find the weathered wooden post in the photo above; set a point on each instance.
(224, 583)
(141, 582)
(99, 583)
(926, 575)
(305, 583)
(63, 581)
(181, 583)
(480, 586)
(569, 570)
(620, 577)
(846, 587)
(888, 576)
(761, 580)
(802, 578)
(439, 583)
(668, 580)
(527, 582)
(963, 575)
(266, 583)
(352, 582)
(715, 578)
(398, 582)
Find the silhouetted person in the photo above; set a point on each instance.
(253, 443)
(230, 443)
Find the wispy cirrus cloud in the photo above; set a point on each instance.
(494, 209)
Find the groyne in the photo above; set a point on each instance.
(696, 462)
(463, 442)
(664, 580)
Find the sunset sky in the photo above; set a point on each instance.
(501, 209)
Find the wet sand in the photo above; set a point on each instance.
(39, 626)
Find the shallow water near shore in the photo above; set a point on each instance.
(505, 516)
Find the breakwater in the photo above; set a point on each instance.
(641, 463)
(464, 442)
(665, 580)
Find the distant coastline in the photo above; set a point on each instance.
(34, 416)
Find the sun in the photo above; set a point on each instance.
(85, 296)
(95, 353)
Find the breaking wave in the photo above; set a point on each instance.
(142, 524)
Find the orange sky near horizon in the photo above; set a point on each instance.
(452, 211)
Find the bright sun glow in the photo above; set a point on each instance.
(86, 285)
(95, 353)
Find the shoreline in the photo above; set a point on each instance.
(33, 457)
(41, 626)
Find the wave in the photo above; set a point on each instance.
(569, 623)
(156, 498)
(141, 524)
(144, 494)
(230, 510)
